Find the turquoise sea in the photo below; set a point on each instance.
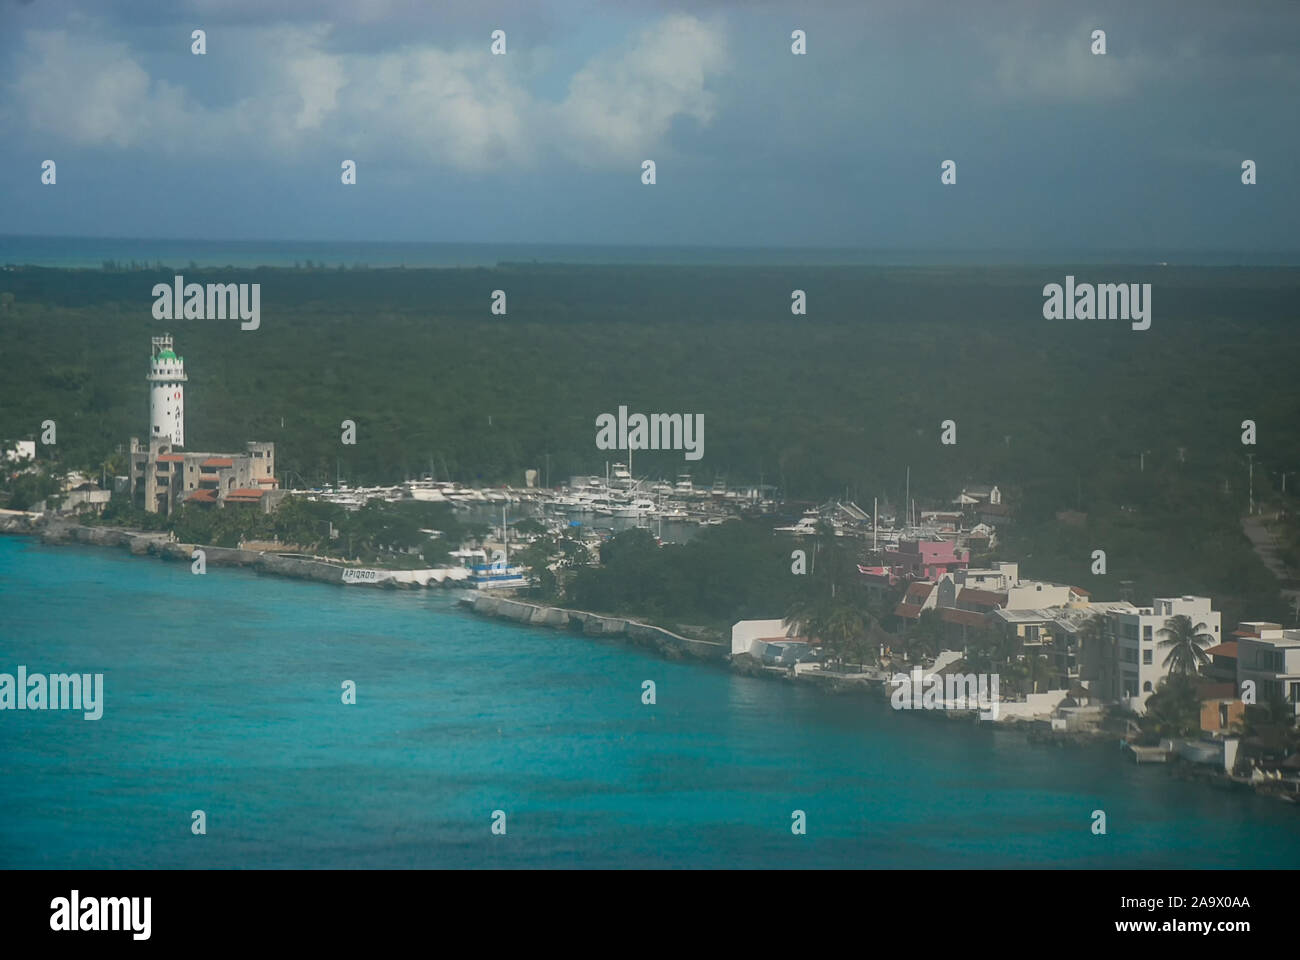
(222, 693)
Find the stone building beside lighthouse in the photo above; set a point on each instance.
(163, 475)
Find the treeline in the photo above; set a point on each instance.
(837, 402)
(732, 572)
(379, 532)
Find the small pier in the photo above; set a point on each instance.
(1149, 754)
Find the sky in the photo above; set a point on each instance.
(1055, 147)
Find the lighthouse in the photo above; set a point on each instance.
(166, 392)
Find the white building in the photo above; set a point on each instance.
(982, 493)
(1025, 594)
(21, 451)
(1004, 578)
(1269, 656)
(1140, 666)
(753, 636)
(997, 579)
(166, 392)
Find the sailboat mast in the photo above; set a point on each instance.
(907, 500)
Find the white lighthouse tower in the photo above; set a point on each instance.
(166, 392)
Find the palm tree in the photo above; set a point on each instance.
(923, 638)
(1034, 667)
(844, 625)
(1184, 642)
(1095, 648)
(807, 616)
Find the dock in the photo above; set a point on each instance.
(1149, 754)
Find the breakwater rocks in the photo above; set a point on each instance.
(665, 642)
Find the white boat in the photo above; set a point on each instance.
(425, 490)
(806, 527)
(640, 507)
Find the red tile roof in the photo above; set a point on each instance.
(218, 462)
(966, 618)
(1081, 591)
(982, 598)
(170, 458)
(910, 611)
(243, 493)
(266, 479)
(918, 592)
(1226, 649)
(203, 496)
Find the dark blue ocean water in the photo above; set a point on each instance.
(222, 693)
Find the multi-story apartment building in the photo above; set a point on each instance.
(1269, 657)
(1139, 656)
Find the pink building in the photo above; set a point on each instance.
(926, 559)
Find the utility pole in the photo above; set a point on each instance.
(1251, 458)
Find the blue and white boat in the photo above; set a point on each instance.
(499, 573)
(490, 576)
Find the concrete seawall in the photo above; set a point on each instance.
(663, 641)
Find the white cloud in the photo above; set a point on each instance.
(463, 108)
(1060, 66)
(89, 92)
(620, 105)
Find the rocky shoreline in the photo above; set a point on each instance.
(140, 543)
(665, 642)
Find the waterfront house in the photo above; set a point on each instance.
(1222, 711)
(1269, 656)
(1139, 658)
(753, 637)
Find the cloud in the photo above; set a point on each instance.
(463, 107)
(1059, 66)
(89, 92)
(620, 104)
